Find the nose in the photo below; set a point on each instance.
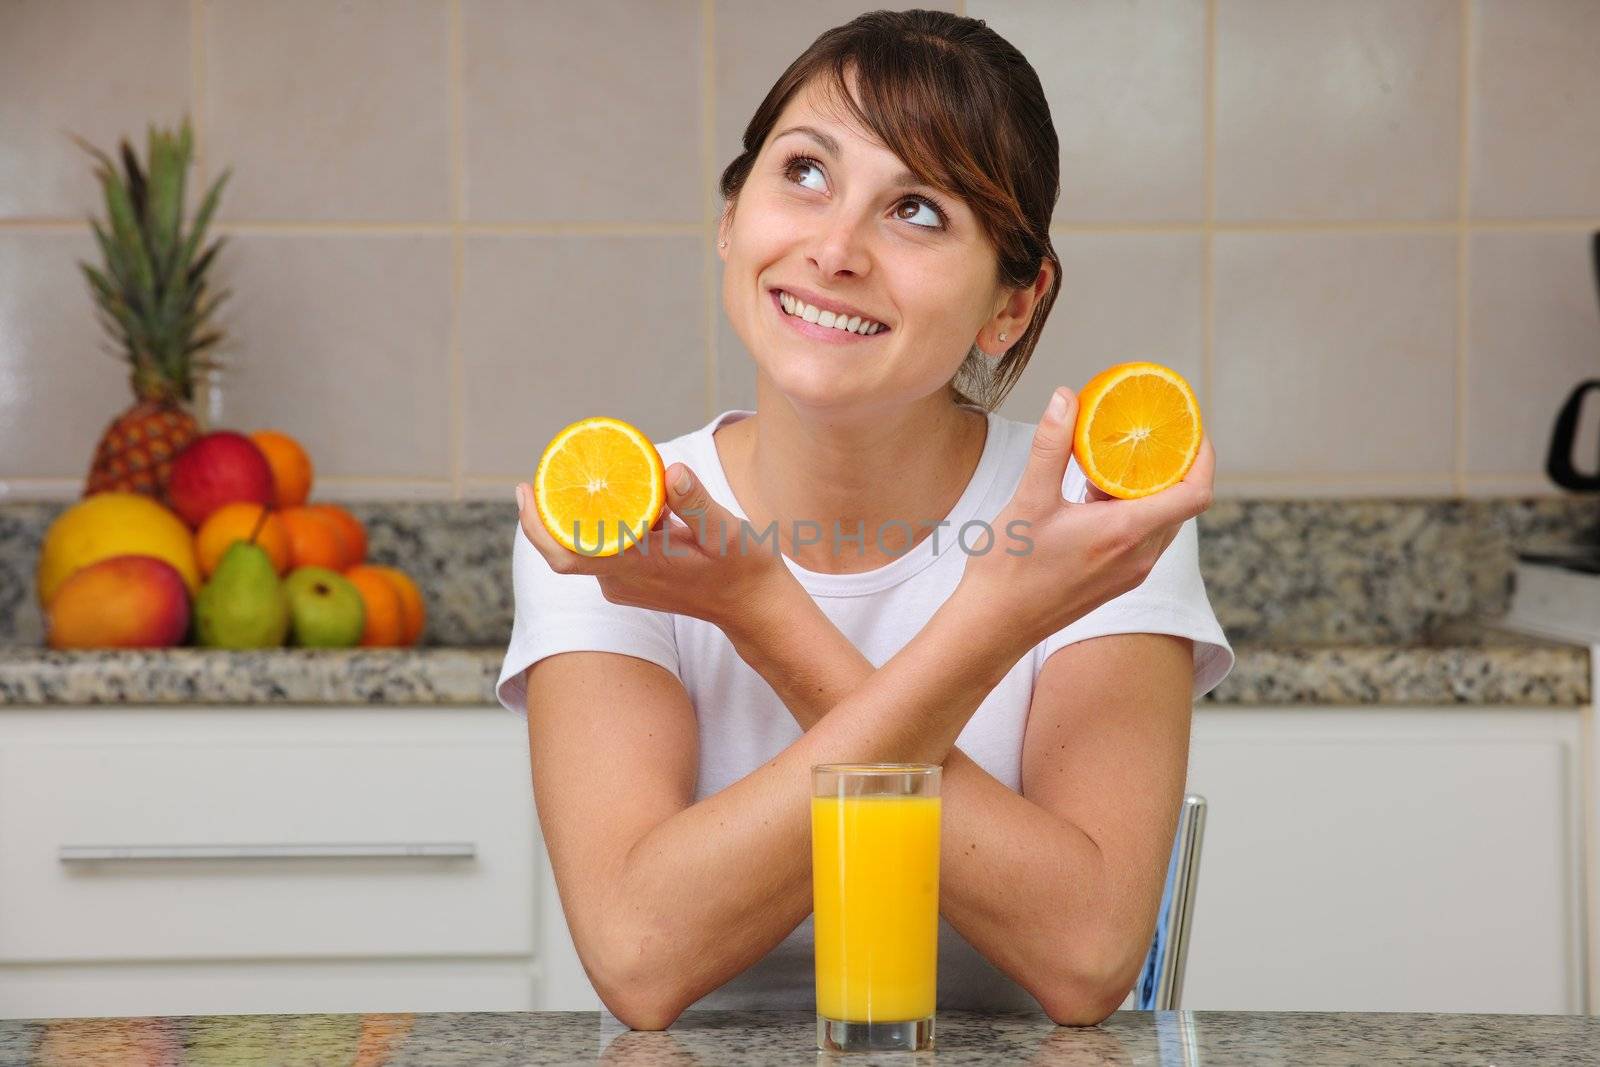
(841, 246)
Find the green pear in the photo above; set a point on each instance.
(243, 605)
(325, 608)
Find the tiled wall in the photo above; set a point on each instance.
(1359, 226)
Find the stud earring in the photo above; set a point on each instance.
(1002, 336)
(722, 244)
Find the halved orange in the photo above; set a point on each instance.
(1138, 429)
(595, 477)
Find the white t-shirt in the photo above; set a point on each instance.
(743, 724)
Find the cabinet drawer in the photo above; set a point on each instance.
(236, 848)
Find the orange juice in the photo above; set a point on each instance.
(875, 869)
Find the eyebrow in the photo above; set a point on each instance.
(831, 144)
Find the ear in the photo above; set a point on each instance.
(724, 224)
(1016, 311)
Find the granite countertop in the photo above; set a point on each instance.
(488, 1039)
(1469, 663)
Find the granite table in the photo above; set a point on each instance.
(1473, 662)
(488, 1039)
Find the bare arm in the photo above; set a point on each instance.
(1067, 916)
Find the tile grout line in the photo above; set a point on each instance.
(692, 229)
(457, 247)
(197, 88)
(1208, 271)
(1463, 280)
(708, 156)
(197, 82)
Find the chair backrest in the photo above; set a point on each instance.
(1161, 981)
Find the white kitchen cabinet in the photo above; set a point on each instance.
(1377, 859)
(448, 920)
(1389, 859)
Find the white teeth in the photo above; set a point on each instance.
(853, 323)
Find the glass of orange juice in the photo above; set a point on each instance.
(875, 891)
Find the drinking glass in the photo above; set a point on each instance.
(875, 885)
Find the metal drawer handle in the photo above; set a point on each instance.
(429, 850)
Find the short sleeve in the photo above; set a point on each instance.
(1171, 600)
(568, 613)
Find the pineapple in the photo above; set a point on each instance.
(153, 300)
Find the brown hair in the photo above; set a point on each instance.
(966, 113)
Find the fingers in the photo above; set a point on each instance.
(1178, 503)
(1052, 448)
(561, 559)
(705, 518)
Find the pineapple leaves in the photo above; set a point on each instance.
(197, 231)
(152, 291)
(136, 184)
(130, 238)
(167, 165)
(119, 320)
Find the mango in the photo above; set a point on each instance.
(120, 602)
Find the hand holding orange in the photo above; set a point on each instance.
(596, 476)
(1138, 429)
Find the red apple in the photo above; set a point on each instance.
(218, 468)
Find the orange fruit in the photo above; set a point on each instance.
(236, 522)
(291, 467)
(385, 617)
(1138, 429)
(352, 534)
(596, 476)
(314, 540)
(411, 608)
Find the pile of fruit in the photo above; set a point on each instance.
(228, 554)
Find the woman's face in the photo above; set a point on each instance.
(833, 215)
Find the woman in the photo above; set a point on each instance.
(903, 169)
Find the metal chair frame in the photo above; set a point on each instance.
(1160, 983)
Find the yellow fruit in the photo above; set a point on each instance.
(1138, 429)
(114, 524)
(597, 476)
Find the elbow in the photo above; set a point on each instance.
(642, 1013)
(1078, 1005)
(1087, 996)
(631, 985)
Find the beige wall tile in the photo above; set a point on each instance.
(1335, 354)
(58, 387)
(1123, 297)
(544, 342)
(344, 343)
(1126, 86)
(1533, 336)
(756, 40)
(102, 69)
(329, 112)
(1346, 110)
(1535, 138)
(583, 111)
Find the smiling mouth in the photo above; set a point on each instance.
(815, 329)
